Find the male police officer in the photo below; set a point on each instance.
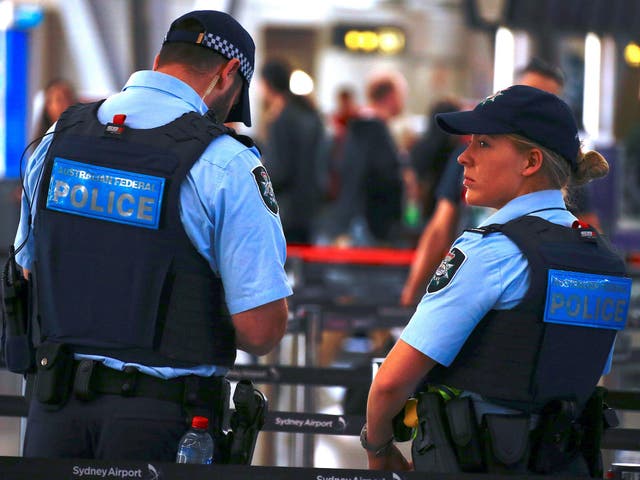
(155, 251)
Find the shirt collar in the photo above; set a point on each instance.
(168, 85)
(525, 204)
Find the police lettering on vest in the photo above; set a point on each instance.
(105, 193)
(588, 300)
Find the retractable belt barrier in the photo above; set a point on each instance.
(313, 376)
(13, 468)
(352, 256)
(362, 276)
(350, 425)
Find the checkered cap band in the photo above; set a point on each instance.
(229, 50)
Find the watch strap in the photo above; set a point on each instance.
(377, 450)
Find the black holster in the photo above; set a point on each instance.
(556, 441)
(16, 293)
(432, 449)
(596, 417)
(246, 421)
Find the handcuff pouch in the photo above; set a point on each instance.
(506, 443)
(54, 363)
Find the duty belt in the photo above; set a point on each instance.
(91, 377)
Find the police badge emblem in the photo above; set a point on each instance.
(265, 188)
(446, 270)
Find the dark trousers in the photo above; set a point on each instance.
(108, 427)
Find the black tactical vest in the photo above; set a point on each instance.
(515, 358)
(115, 272)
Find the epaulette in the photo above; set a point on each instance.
(493, 228)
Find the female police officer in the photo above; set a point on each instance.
(485, 326)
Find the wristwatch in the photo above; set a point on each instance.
(378, 450)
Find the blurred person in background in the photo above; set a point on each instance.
(542, 75)
(145, 293)
(345, 111)
(451, 214)
(494, 353)
(59, 94)
(293, 151)
(369, 208)
(428, 157)
(368, 211)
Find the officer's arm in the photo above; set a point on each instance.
(396, 380)
(260, 329)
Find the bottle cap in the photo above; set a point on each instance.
(200, 422)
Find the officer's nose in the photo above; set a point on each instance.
(465, 157)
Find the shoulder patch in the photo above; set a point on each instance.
(446, 270)
(265, 188)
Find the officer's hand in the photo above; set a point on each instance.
(392, 460)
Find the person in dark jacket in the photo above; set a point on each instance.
(429, 156)
(371, 195)
(292, 151)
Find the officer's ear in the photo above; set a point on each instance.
(532, 162)
(229, 71)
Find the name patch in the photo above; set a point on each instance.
(587, 300)
(105, 193)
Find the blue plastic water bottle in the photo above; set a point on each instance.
(196, 446)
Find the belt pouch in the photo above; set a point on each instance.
(431, 450)
(208, 397)
(82, 379)
(465, 434)
(506, 443)
(54, 362)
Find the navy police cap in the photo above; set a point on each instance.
(223, 34)
(532, 113)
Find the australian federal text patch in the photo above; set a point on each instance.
(105, 193)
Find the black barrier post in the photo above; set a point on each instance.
(313, 332)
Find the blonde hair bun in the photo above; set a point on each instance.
(590, 165)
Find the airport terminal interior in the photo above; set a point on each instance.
(347, 287)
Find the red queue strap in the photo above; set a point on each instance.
(361, 256)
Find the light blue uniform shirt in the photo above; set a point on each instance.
(494, 275)
(221, 207)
